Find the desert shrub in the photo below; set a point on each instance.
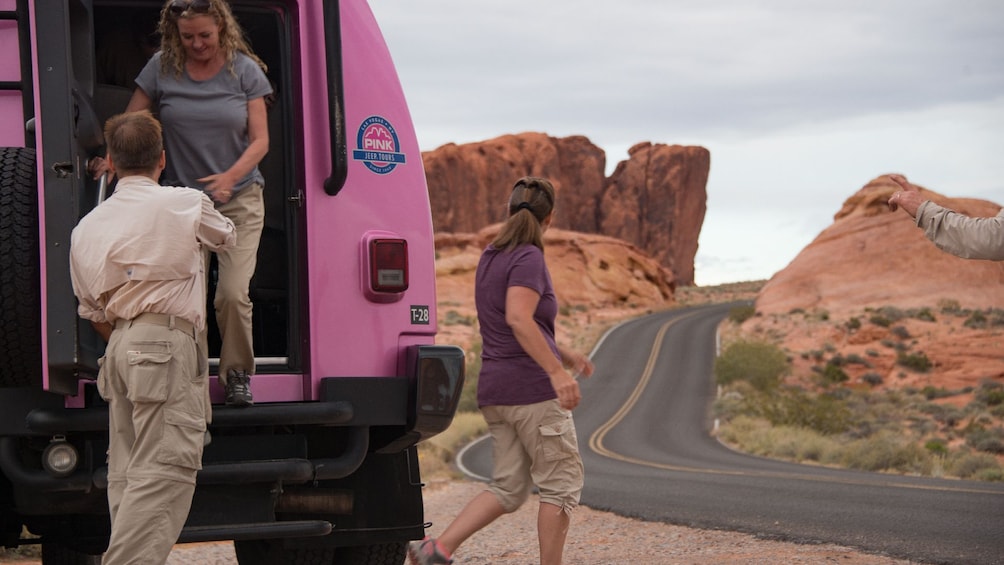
(990, 394)
(856, 359)
(469, 394)
(914, 361)
(853, 324)
(975, 466)
(887, 452)
(740, 314)
(948, 416)
(923, 314)
(792, 407)
(759, 363)
(832, 373)
(996, 317)
(435, 454)
(759, 437)
(932, 393)
(873, 379)
(949, 306)
(937, 446)
(901, 332)
(880, 320)
(454, 318)
(989, 440)
(977, 320)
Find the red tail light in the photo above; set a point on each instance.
(388, 265)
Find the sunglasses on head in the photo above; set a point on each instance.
(179, 7)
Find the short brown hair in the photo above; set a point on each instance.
(134, 142)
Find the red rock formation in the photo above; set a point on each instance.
(655, 200)
(871, 256)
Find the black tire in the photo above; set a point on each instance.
(378, 554)
(272, 552)
(54, 554)
(20, 311)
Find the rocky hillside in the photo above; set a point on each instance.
(655, 200)
(872, 289)
(871, 256)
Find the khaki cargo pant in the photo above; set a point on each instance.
(155, 385)
(534, 444)
(232, 302)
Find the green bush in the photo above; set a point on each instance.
(740, 314)
(832, 373)
(937, 446)
(915, 361)
(759, 363)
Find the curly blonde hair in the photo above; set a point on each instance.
(232, 40)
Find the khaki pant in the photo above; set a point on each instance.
(155, 385)
(534, 444)
(236, 267)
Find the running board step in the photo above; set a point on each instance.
(262, 530)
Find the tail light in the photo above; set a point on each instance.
(389, 265)
(385, 266)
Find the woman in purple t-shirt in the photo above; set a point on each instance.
(525, 392)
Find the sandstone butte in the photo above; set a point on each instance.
(655, 200)
(621, 245)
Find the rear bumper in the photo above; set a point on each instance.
(404, 409)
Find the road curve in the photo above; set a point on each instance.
(644, 431)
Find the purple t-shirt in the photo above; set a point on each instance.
(508, 375)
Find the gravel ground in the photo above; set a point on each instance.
(595, 538)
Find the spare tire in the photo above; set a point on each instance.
(20, 311)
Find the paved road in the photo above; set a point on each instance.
(644, 433)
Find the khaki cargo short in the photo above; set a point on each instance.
(534, 444)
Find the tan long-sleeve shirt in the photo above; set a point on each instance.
(141, 251)
(961, 235)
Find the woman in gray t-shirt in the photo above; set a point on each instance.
(209, 90)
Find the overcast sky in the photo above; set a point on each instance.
(800, 102)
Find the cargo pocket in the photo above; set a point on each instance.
(183, 439)
(557, 440)
(149, 362)
(103, 389)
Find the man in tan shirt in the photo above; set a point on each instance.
(952, 232)
(137, 270)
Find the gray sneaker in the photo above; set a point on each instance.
(427, 552)
(238, 388)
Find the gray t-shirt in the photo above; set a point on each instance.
(205, 122)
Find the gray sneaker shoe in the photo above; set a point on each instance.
(238, 388)
(427, 552)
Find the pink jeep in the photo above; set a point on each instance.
(323, 468)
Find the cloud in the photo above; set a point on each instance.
(801, 102)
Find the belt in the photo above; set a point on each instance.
(167, 320)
